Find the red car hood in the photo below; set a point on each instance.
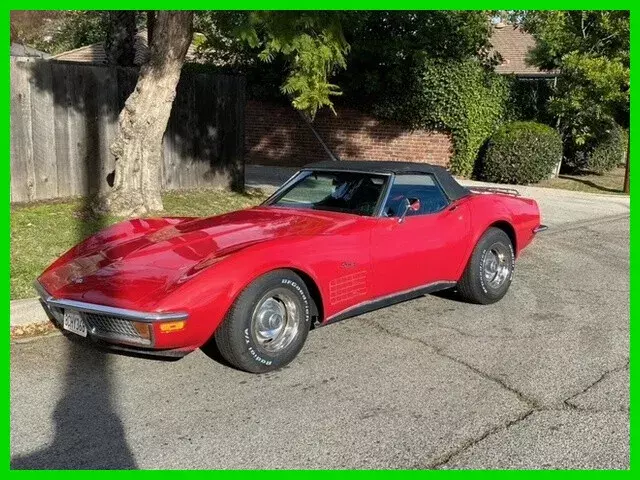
(131, 264)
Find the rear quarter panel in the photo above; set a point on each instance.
(521, 213)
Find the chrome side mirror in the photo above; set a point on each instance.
(410, 204)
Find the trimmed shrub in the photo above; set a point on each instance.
(609, 152)
(521, 153)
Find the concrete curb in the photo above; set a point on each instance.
(27, 318)
(33, 330)
(27, 312)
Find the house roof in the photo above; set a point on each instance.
(514, 44)
(96, 53)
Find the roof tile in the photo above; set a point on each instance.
(514, 45)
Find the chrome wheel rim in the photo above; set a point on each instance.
(276, 320)
(496, 266)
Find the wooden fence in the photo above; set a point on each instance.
(64, 117)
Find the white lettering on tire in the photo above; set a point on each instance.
(307, 317)
(513, 262)
(305, 300)
(482, 258)
(253, 353)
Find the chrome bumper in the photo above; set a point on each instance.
(109, 324)
(540, 228)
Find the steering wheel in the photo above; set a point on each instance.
(415, 193)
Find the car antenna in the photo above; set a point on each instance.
(317, 135)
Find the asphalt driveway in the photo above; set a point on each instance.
(538, 380)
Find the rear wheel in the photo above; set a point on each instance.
(268, 323)
(489, 272)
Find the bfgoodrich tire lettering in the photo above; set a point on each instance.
(268, 323)
(489, 272)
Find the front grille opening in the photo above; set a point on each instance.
(110, 326)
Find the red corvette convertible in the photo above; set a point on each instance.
(336, 240)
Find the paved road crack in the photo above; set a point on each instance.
(447, 457)
(533, 404)
(568, 402)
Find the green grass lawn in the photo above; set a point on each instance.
(41, 232)
(609, 182)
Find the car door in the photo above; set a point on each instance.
(426, 246)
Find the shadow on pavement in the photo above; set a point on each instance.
(88, 432)
(591, 184)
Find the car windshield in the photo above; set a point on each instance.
(347, 192)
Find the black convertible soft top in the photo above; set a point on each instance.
(451, 187)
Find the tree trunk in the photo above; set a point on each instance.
(143, 121)
(121, 36)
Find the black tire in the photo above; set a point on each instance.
(246, 337)
(477, 284)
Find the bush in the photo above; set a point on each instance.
(521, 153)
(609, 152)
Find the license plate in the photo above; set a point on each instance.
(74, 323)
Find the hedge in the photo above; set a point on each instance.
(462, 97)
(521, 153)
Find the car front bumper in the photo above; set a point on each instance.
(116, 328)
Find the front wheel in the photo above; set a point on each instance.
(268, 323)
(489, 272)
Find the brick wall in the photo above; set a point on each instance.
(277, 135)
